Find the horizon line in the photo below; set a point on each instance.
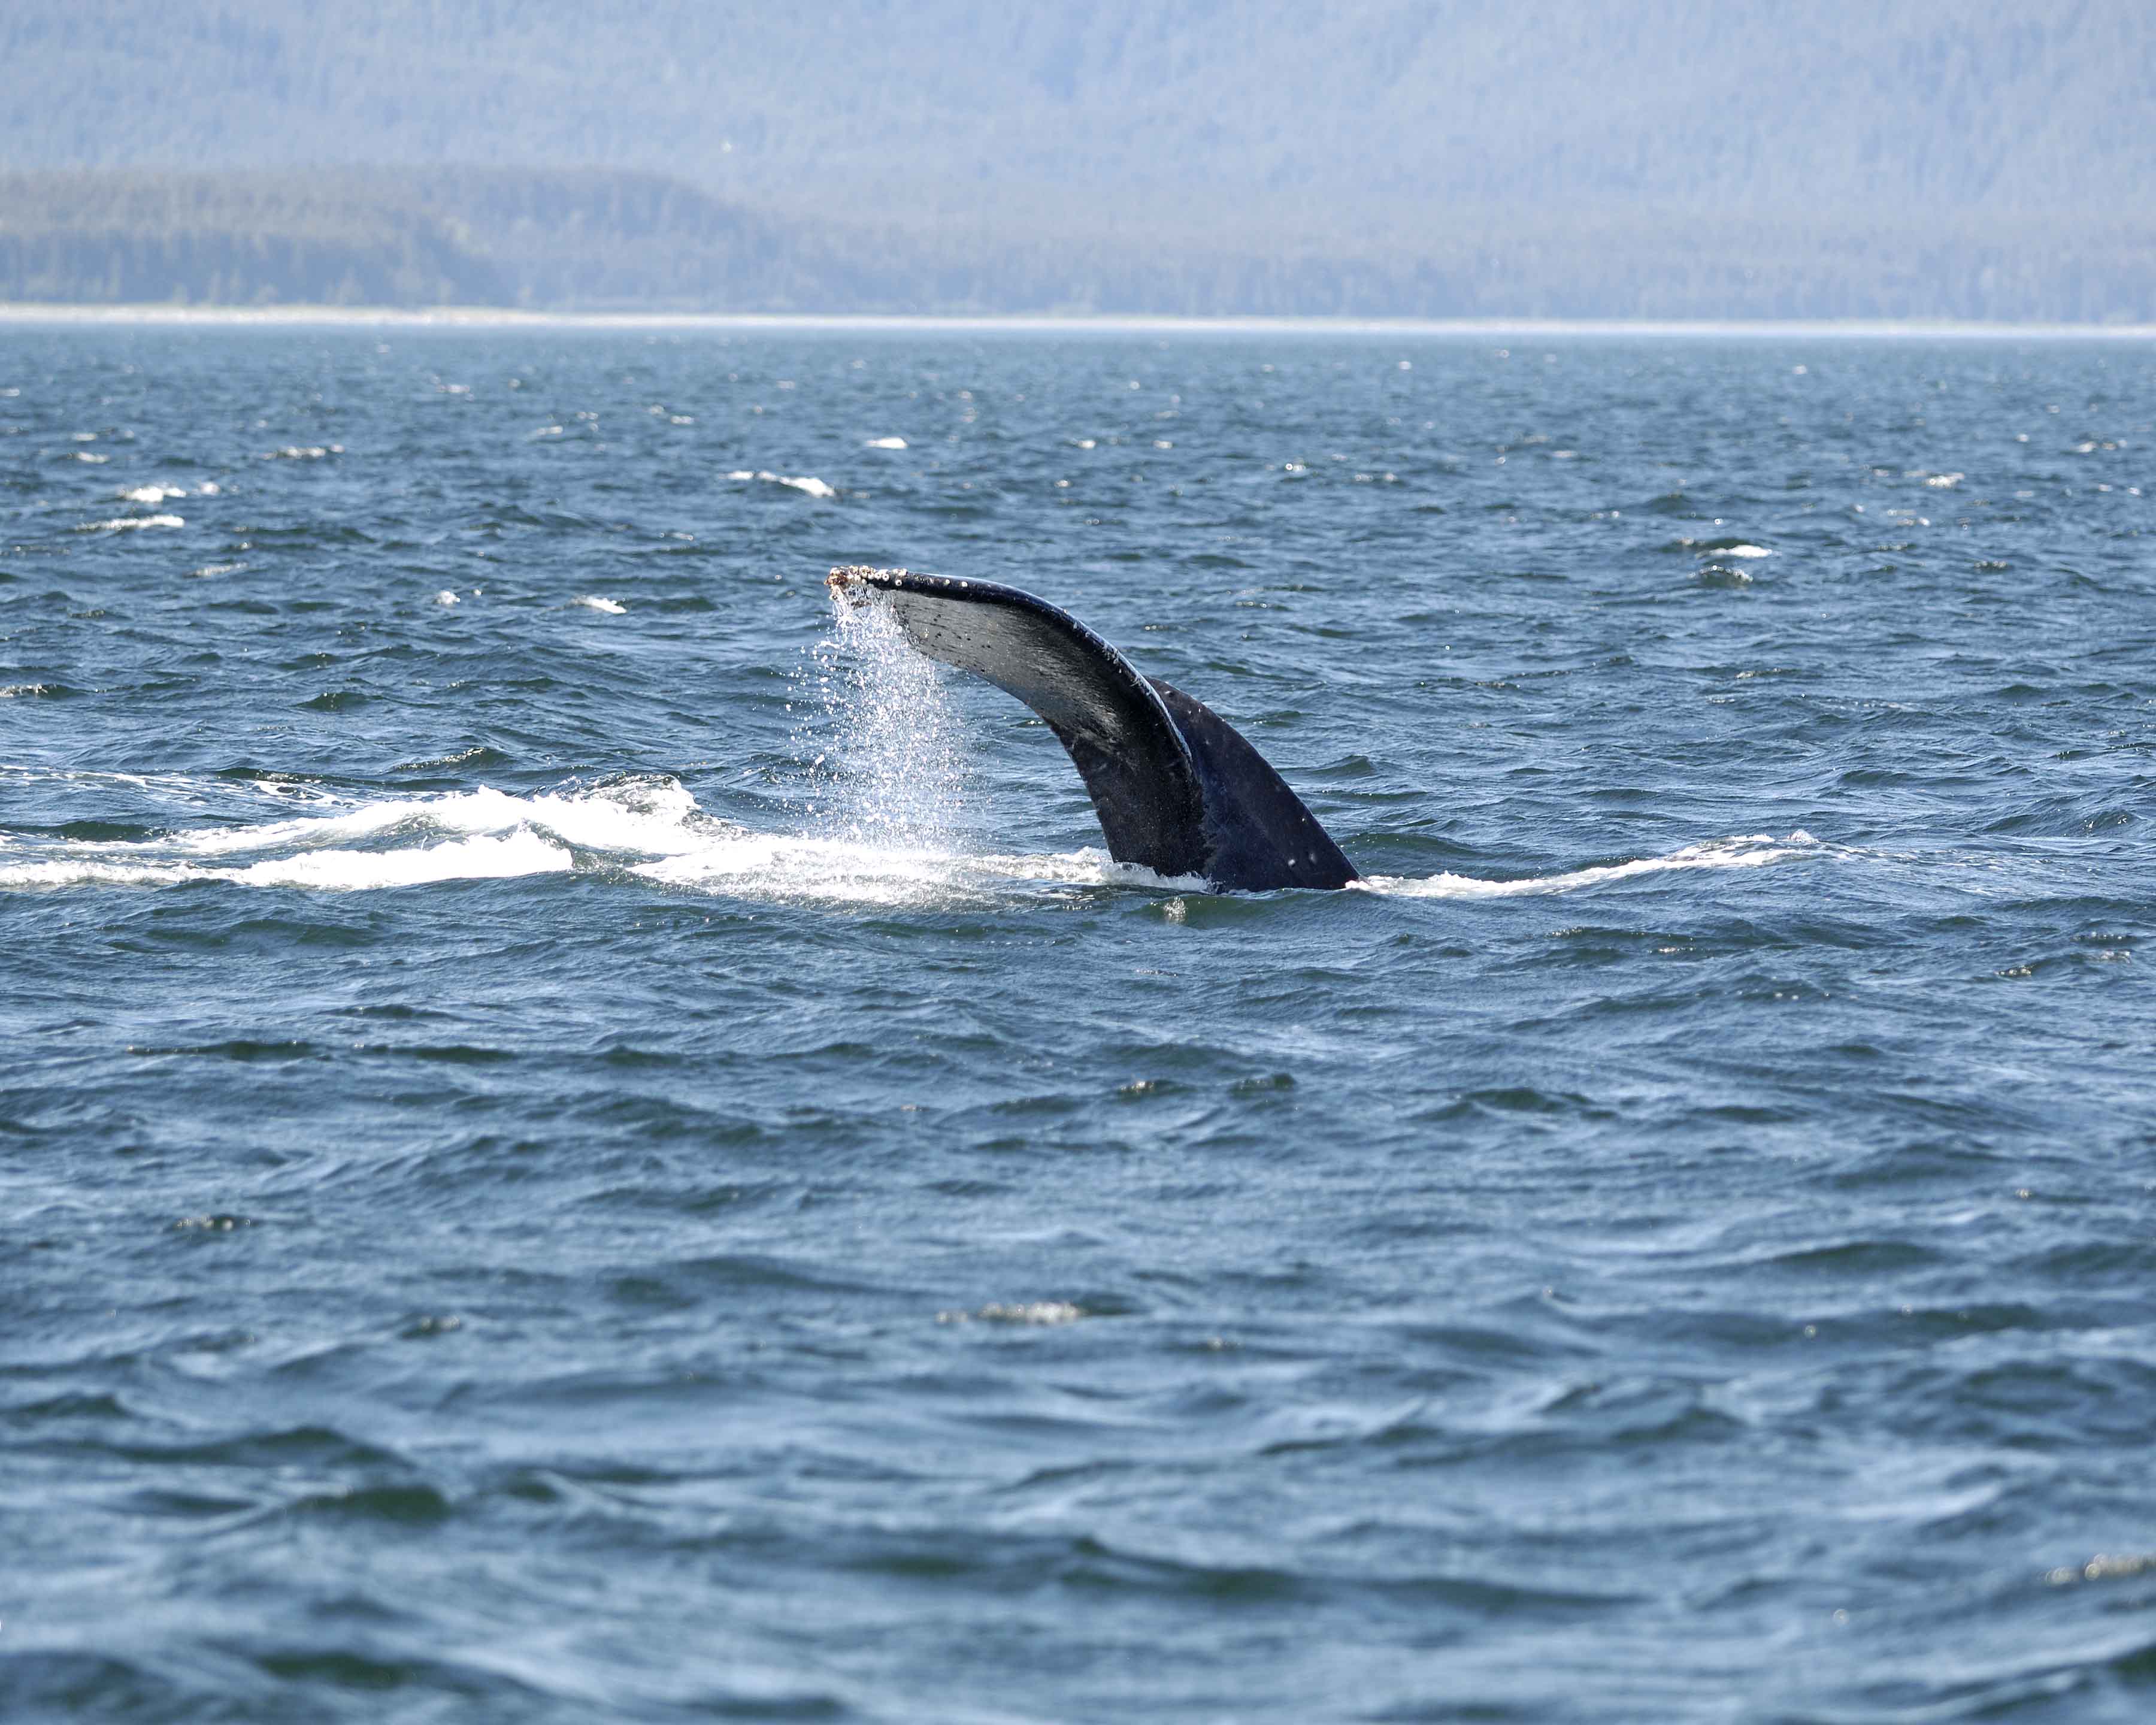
(483, 317)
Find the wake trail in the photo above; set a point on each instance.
(1749, 851)
(652, 830)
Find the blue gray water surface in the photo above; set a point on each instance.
(576, 1146)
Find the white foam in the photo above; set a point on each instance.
(885, 443)
(445, 598)
(647, 817)
(612, 608)
(652, 829)
(764, 864)
(1744, 551)
(806, 482)
(483, 834)
(1752, 851)
(153, 494)
(329, 871)
(1017, 1311)
(836, 870)
(523, 853)
(131, 523)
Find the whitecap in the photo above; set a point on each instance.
(806, 482)
(1017, 1311)
(153, 494)
(328, 871)
(1752, 851)
(1744, 551)
(648, 816)
(455, 860)
(1944, 481)
(445, 598)
(612, 608)
(885, 443)
(483, 834)
(131, 523)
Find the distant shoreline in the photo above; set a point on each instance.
(476, 318)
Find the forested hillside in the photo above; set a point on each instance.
(227, 239)
(1654, 158)
(594, 240)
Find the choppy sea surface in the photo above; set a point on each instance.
(579, 1143)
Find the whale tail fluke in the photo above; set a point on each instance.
(1178, 789)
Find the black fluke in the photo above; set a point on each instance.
(1177, 789)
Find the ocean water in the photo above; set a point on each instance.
(580, 1142)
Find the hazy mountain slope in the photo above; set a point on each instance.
(591, 239)
(109, 237)
(1363, 123)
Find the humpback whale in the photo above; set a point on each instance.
(1178, 789)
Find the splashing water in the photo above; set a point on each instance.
(887, 764)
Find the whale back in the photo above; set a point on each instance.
(1177, 789)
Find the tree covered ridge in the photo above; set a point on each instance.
(603, 239)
